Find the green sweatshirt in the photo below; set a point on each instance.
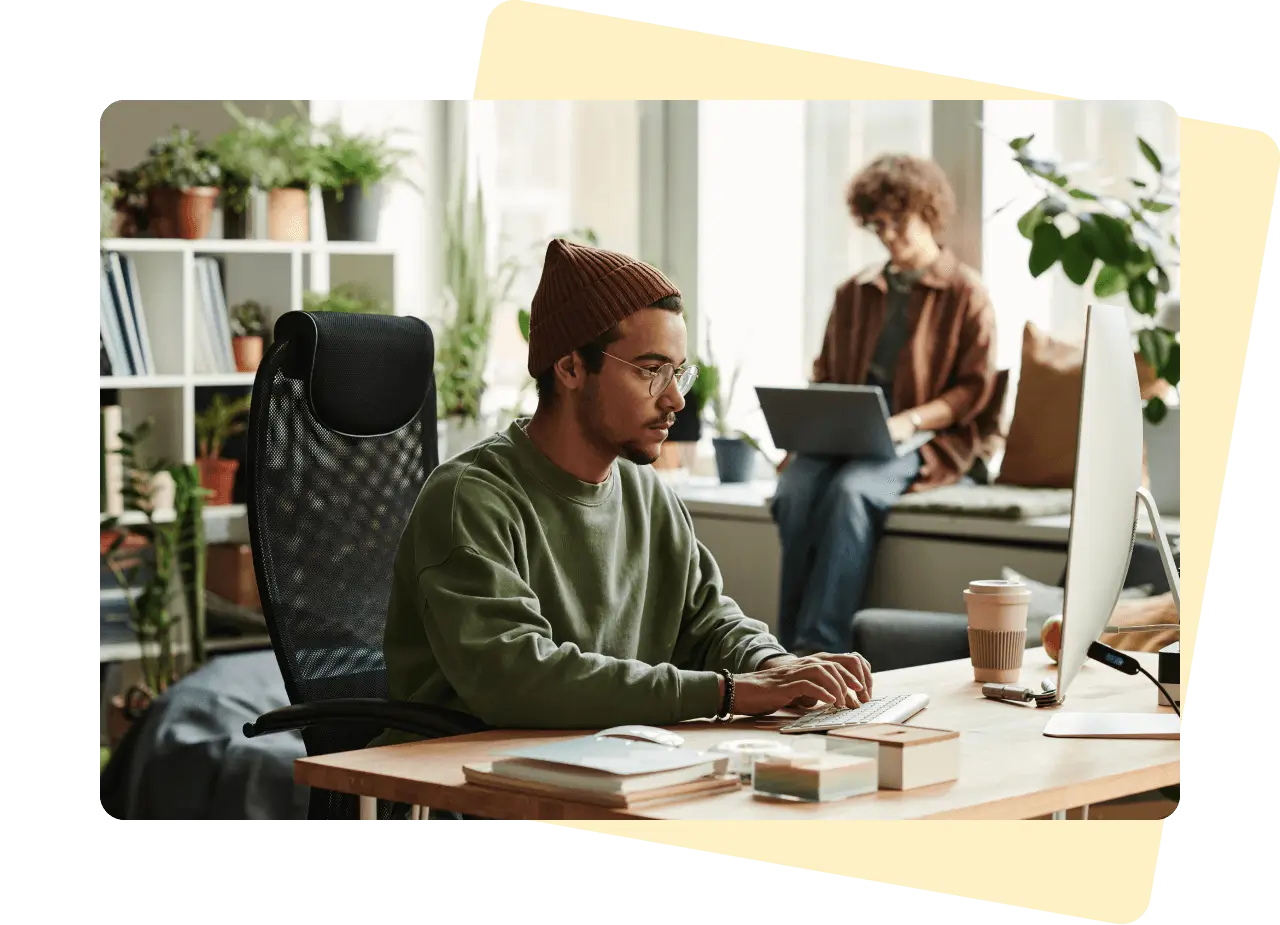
(528, 598)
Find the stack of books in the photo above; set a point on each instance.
(606, 771)
(125, 345)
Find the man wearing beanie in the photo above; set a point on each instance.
(547, 578)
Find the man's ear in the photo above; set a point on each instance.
(570, 372)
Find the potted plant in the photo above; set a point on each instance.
(352, 297)
(242, 153)
(131, 209)
(352, 171)
(472, 293)
(1125, 239)
(181, 180)
(159, 565)
(248, 329)
(281, 158)
(735, 449)
(109, 191)
(221, 420)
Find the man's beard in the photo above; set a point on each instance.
(632, 452)
(635, 454)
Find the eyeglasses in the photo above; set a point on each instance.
(660, 378)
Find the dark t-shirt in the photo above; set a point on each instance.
(893, 337)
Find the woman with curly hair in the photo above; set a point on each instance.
(921, 327)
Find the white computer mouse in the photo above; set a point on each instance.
(643, 734)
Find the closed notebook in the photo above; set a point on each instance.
(607, 765)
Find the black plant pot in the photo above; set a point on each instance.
(734, 459)
(688, 425)
(355, 216)
(235, 225)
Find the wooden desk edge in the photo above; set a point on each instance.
(493, 803)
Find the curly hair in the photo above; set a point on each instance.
(901, 184)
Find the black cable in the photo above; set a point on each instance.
(1171, 701)
(1128, 664)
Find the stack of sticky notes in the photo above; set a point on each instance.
(814, 776)
(907, 756)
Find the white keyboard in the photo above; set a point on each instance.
(896, 709)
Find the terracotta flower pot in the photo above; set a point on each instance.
(219, 476)
(248, 352)
(184, 213)
(288, 215)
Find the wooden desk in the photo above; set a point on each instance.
(1008, 768)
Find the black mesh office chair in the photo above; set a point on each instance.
(342, 435)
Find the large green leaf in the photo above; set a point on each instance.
(1149, 153)
(1031, 219)
(1160, 349)
(1107, 236)
(1046, 248)
(1171, 372)
(523, 317)
(1142, 295)
(1077, 261)
(1111, 281)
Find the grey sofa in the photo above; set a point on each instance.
(903, 638)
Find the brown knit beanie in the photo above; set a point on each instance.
(584, 291)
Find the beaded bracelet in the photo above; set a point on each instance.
(726, 704)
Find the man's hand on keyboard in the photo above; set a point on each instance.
(840, 680)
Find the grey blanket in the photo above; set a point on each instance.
(187, 757)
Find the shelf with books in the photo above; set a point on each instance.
(167, 344)
(176, 295)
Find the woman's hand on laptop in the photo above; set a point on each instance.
(901, 428)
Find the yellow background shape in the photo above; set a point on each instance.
(1228, 182)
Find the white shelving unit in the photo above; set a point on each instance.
(272, 273)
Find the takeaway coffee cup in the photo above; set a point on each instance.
(997, 628)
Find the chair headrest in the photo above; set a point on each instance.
(364, 375)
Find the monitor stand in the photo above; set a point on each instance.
(1162, 725)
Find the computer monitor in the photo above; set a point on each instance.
(1106, 490)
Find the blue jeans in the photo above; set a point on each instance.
(830, 514)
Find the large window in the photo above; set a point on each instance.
(766, 194)
(550, 167)
(775, 237)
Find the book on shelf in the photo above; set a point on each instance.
(214, 354)
(604, 770)
(125, 339)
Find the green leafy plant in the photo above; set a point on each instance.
(1124, 238)
(353, 297)
(352, 159)
(175, 573)
(716, 399)
(472, 293)
(220, 421)
(123, 192)
(270, 154)
(247, 319)
(243, 154)
(179, 161)
(109, 190)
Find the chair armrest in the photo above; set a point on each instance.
(403, 716)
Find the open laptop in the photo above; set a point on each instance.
(824, 419)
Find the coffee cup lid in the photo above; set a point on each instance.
(995, 586)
